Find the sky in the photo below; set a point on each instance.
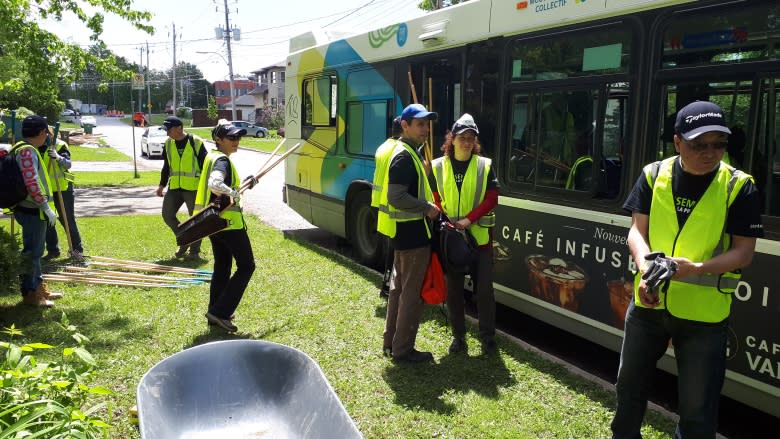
(266, 27)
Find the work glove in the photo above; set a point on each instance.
(53, 154)
(660, 271)
(51, 217)
(234, 195)
(251, 180)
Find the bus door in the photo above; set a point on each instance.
(438, 85)
(767, 157)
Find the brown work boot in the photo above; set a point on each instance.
(44, 291)
(32, 298)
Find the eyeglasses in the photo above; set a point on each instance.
(701, 146)
(233, 137)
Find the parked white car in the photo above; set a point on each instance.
(153, 141)
(88, 120)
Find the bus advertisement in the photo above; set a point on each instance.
(572, 98)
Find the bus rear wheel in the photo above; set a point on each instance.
(365, 239)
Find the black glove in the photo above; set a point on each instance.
(251, 180)
(660, 270)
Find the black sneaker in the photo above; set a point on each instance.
(194, 257)
(225, 324)
(458, 345)
(181, 251)
(489, 347)
(384, 294)
(414, 356)
(49, 256)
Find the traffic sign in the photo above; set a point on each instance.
(138, 81)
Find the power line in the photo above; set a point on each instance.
(339, 19)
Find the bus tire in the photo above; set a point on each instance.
(363, 236)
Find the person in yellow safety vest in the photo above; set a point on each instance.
(218, 182)
(57, 162)
(407, 195)
(466, 190)
(35, 212)
(705, 216)
(182, 164)
(382, 155)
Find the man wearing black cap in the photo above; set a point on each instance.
(704, 216)
(407, 194)
(35, 212)
(182, 165)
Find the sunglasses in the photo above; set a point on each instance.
(701, 146)
(233, 137)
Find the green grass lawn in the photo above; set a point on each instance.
(327, 307)
(117, 178)
(102, 154)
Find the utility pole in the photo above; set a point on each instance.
(173, 104)
(148, 85)
(141, 71)
(230, 63)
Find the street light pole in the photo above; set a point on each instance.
(230, 63)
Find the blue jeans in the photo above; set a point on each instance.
(700, 351)
(52, 242)
(33, 240)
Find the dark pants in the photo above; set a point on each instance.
(700, 351)
(486, 298)
(226, 290)
(33, 240)
(404, 305)
(172, 202)
(52, 241)
(389, 256)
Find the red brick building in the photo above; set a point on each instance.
(222, 90)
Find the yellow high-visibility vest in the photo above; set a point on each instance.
(184, 169)
(457, 204)
(386, 221)
(706, 297)
(233, 213)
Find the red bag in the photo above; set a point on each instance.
(434, 288)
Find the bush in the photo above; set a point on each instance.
(12, 263)
(48, 399)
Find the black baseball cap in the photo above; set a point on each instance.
(34, 124)
(700, 117)
(172, 121)
(225, 128)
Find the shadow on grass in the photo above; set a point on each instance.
(106, 332)
(214, 333)
(422, 386)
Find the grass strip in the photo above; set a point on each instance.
(101, 154)
(328, 307)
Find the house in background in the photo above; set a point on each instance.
(222, 91)
(270, 88)
(247, 106)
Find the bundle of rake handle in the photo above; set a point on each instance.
(120, 272)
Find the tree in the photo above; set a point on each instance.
(432, 5)
(211, 110)
(33, 60)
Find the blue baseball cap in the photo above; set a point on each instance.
(418, 111)
(698, 118)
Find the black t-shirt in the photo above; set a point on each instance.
(744, 216)
(409, 234)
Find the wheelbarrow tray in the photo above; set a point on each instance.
(240, 389)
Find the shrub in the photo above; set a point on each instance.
(12, 263)
(48, 398)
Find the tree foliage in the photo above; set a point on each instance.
(432, 5)
(33, 60)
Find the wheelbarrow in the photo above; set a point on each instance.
(240, 389)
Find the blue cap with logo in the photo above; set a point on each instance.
(418, 111)
(698, 118)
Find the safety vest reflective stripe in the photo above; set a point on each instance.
(381, 157)
(711, 280)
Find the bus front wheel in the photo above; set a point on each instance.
(363, 235)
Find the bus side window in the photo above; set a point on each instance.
(612, 144)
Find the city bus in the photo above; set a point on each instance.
(572, 98)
